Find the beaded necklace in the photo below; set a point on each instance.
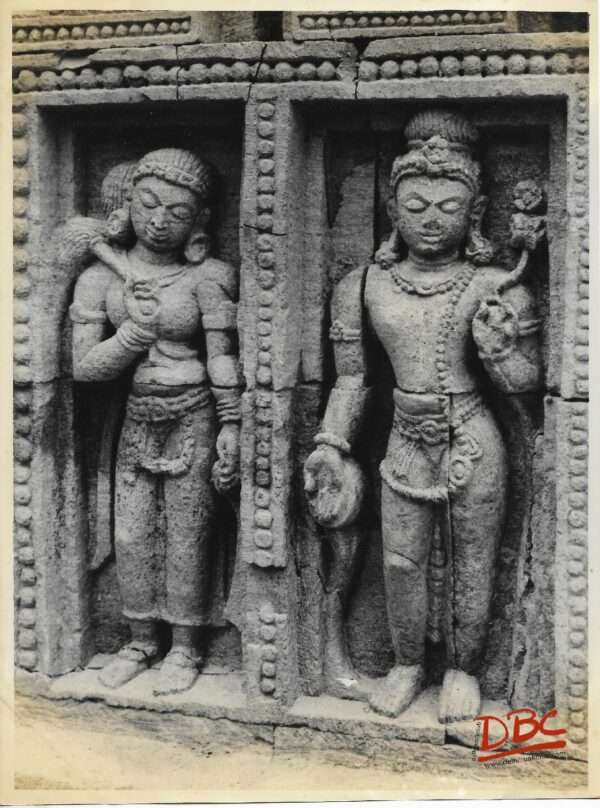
(425, 289)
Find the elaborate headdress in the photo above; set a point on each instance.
(177, 166)
(439, 145)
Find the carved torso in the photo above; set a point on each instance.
(183, 294)
(427, 337)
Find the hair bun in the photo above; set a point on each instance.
(452, 126)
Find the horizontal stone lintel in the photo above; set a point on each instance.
(479, 43)
(158, 54)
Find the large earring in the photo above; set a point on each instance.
(118, 226)
(479, 250)
(197, 247)
(389, 251)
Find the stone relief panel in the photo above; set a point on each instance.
(359, 159)
(176, 434)
(412, 277)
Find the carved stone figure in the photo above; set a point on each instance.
(155, 304)
(446, 318)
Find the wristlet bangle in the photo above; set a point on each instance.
(331, 439)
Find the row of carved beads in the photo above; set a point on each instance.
(113, 77)
(88, 78)
(441, 362)
(577, 572)
(100, 31)
(580, 203)
(473, 65)
(268, 649)
(23, 448)
(279, 72)
(377, 21)
(266, 279)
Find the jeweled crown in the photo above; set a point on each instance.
(439, 145)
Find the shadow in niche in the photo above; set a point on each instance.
(98, 409)
(358, 162)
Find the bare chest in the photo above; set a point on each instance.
(427, 337)
(177, 303)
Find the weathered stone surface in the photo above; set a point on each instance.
(500, 43)
(303, 137)
(79, 30)
(374, 25)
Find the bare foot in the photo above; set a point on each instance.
(342, 681)
(132, 659)
(393, 694)
(178, 672)
(460, 698)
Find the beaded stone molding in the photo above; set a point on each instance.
(578, 202)
(25, 612)
(376, 24)
(282, 63)
(492, 65)
(81, 30)
(265, 554)
(576, 572)
(189, 65)
(266, 653)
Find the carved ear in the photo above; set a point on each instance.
(118, 225)
(197, 247)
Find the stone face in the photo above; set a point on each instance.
(238, 235)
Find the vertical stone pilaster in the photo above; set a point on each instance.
(271, 321)
(571, 572)
(575, 344)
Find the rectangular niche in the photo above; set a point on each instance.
(349, 155)
(77, 147)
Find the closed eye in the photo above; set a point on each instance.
(181, 212)
(148, 199)
(450, 205)
(415, 204)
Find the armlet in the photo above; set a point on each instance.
(79, 314)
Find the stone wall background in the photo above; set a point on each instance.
(303, 167)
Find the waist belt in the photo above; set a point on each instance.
(433, 427)
(417, 463)
(155, 408)
(156, 422)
